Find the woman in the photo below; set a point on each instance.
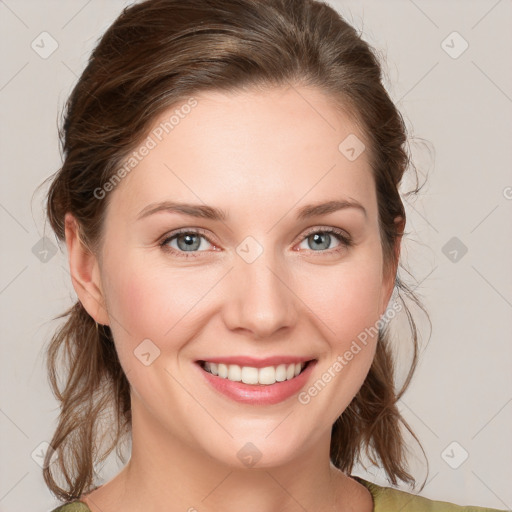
(229, 201)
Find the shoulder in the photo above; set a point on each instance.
(387, 499)
(75, 506)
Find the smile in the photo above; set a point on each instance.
(256, 376)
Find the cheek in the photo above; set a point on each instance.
(346, 298)
(151, 302)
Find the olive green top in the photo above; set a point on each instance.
(385, 499)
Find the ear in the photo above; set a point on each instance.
(389, 280)
(84, 270)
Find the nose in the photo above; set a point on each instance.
(259, 298)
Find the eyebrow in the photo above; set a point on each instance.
(212, 213)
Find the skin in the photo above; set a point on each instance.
(260, 157)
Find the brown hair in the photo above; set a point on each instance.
(155, 55)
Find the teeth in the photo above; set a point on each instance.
(250, 375)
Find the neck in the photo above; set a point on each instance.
(165, 473)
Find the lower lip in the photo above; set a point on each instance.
(259, 394)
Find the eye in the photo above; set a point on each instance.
(185, 241)
(320, 240)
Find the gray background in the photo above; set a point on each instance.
(457, 106)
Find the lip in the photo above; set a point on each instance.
(258, 394)
(257, 363)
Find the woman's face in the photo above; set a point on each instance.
(257, 283)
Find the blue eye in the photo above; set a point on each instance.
(189, 242)
(186, 241)
(319, 240)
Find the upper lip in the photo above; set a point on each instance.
(257, 362)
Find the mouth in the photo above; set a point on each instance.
(256, 376)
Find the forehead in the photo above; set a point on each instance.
(247, 148)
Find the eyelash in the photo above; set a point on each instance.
(342, 236)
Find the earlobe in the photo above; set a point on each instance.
(400, 228)
(84, 270)
(389, 287)
(389, 284)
